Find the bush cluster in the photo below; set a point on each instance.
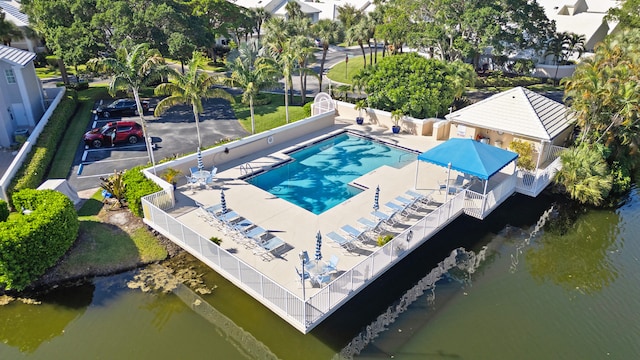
(82, 85)
(32, 243)
(137, 186)
(36, 166)
(498, 79)
(4, 210)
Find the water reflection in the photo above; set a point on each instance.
(574, 250)
(27, 326)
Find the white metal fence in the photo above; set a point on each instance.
(532, 184)
(479, 206)
(303, 315)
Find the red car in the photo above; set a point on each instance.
(114, 132)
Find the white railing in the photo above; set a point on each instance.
(553, 152)
(479, 206)
(303, 315)
(162, 199)
(283, 302)
(532, 184)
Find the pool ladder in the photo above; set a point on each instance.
(246, 169)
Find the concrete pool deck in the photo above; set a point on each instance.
(297, 226)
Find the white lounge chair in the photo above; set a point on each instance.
(331, 265)
(340, 240)
(267, 249)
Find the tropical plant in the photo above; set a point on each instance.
(328, 32)
(383, 239)
(260, 16)
(251, 73)
(304, 51)
(133, 69)
(524, 149)
(361, 105)
(4, 210)
(584, 174)
(170, 175)
(115, 185)
(190, 88)
(396, 116)
(360, 33)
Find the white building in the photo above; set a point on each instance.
(13, 14)
(327, 9)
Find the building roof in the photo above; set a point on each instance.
(326, 8)
(517, 111)
(14, 15)
(15, 56)
(304, 7)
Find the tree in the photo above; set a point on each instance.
(66, 27)
(359, 33)
(8, 30)
(304, 50)
(180, 48)
(251, 73)
(628, 14)
(417, 86)
(294, 11)
(328, 32)
(190, 88)
(584, 174)
(559, 48)
(260, 16)
(348, 15)
(133, 69)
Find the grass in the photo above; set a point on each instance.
(63, 160)
(103, 247)
(340, 73)
(50, 71)
(208, 66)
(268, 116)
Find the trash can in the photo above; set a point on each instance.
(20, 135)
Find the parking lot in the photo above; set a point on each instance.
(172, 134)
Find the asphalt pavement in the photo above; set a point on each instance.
(173, 134)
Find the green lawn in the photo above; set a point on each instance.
(63, 160)
(340, 73)
(105, 247)
(268, 116)
(49, 72)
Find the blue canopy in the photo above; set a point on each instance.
(470, 157)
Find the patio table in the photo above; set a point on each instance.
(201, 176)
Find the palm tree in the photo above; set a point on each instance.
(260, 16)
(293, 10)
(360, 32)
(559, 47)
(287, 60)
(251, 73)
(190, 88)
(348, 15)
(328, 32)
(131, 71)
(584, 174)
(303, 49)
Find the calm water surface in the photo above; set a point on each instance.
(567, 292)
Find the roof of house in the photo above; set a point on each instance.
(15, 56)
(517, 111)
(14, 15)
(326, 8)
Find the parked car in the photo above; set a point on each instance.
(120, 107)
(113, 133)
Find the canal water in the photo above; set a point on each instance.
(529, 282)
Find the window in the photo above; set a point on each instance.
(11, 77)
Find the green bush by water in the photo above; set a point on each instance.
(137, 186)
(30, 244)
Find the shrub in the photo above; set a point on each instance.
(82, 85)
(384, 239)
(525, 154)
(52, 61)
(36, 165)
(137, 186)
(307, 109)
(30, 244)
(4, 210)
(216, 240)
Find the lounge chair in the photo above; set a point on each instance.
(420, 198)
(398, 209)
(267, 249)
(340, 240)
(370, 225)
(193, 169)
(353, 232)
(321, 279)
(386, 219)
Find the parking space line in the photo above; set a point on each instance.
(118, 148)
(94, 176)
(84, 155)
(113, 160)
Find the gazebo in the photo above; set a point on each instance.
(468, 156)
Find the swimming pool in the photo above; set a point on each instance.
(318, 176)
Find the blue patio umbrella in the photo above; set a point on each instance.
(200, 162)
(223, 202)
(318, 246)
(376, 199)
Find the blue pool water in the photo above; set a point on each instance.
(318, 177)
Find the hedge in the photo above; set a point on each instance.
(137, 186)
(35, 167)
(32, 243)
(4, 210)
(498, 79)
